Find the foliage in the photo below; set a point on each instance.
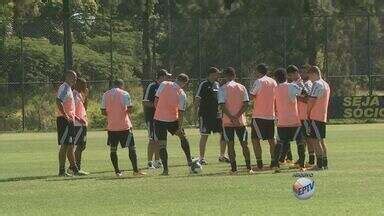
(130, 39)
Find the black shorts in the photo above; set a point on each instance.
(208, 125)
(125, 138)
(318, 129)
(287, 133)
(229, 134)
(80, 136)
(65, 131)
(161, 128)
(263, 129)
(150, 129)
(304, 129)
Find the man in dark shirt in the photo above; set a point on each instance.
(149, 112)
(208, 113)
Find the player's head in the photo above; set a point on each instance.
(229, 73)
(162, 75)
(182, 79)
(81, 85)
(314, 73)
(280, 75)
(292, 73)
(261, 70)
(71, 77)
(118, 83)
(213, 74)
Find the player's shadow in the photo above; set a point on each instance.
(27, 178)
(93, 175)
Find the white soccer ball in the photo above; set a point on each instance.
(304, 188)
(196, 167)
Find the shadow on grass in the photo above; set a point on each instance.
(26, 178)
(74, 178)
(93, 175)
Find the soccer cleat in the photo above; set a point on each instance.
(271, 165)
(81, 173)
(315, 168)
(288, 161)
(294, 166)
(70, 171)
(165, 173)
(64, 174)
(203, 161)
(139, 173)
(119, 174)
(303, 169)
(224, 159)
(276, 170)
(308, 165)
(231, 172)
(251, 172)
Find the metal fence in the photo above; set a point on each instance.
(349, 49)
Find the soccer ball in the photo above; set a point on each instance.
(304, 188)
(196, 167)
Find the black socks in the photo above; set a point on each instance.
(133, 158)
(164, 158)
(185, 146)
(114, 160)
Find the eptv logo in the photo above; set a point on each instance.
(304, 188)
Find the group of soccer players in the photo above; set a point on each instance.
(295, 100)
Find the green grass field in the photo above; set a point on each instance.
(354, 184)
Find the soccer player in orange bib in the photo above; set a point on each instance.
(117, 106)
(81, 122)
(65, 124)
(305, 84)
(149, 112)
(263, 114)
(233, 99)
(317, 115)
(288, 121)
(170, 105)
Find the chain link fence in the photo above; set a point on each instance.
(349, 49)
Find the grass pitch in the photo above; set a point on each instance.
(354, 184)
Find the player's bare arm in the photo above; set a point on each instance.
(242, 110)
(311, 102)
(180, 121)
(60, 106)
(226, 112)
(155, 102)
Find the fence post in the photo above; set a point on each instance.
(199, 46)
(369, 54)
(154, 45)
(111, 51)
(68, 58)
(239, 48)
(22, 74)
(169, 19)
(284, 41)
(326, 47)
